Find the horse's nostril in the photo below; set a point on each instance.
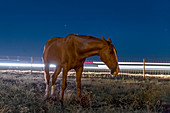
(115, 70)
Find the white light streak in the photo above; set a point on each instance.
(23, 65)
(101, 65)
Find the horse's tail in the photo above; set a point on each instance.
(46, 64)
(46, 68)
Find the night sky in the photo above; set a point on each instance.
(136, 27)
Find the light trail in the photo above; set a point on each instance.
(23, 65)
(100, 66)
(136, 63)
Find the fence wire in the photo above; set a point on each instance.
(38, 60)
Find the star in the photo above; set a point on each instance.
(65, 25)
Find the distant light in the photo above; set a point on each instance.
(23, 65)
(88, 62)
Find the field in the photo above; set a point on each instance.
(22, 92)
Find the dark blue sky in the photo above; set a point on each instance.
(136, 27)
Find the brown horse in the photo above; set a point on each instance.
(70, 53)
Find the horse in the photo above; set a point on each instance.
(70, 53)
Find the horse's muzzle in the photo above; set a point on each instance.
(115, 70)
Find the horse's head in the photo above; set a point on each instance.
(108, 55)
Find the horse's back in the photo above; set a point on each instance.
(61, 50)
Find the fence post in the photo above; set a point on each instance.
(143, 68)
(31, 64)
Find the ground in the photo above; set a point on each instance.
(22, 92)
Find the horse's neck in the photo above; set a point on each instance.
(90, 47)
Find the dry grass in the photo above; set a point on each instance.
(22, 92)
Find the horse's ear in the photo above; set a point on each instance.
(109, 40)
(104, 39)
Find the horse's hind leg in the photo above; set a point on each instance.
(54, 78)
(47, 80)
(64, 83)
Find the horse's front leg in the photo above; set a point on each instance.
(78, 81)
(64, 84)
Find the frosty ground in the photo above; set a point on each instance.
(22, 92)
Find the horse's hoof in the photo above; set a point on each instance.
(78, 100)
(62, 106)
(61, 102)
(46, 97)
(53, 97)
